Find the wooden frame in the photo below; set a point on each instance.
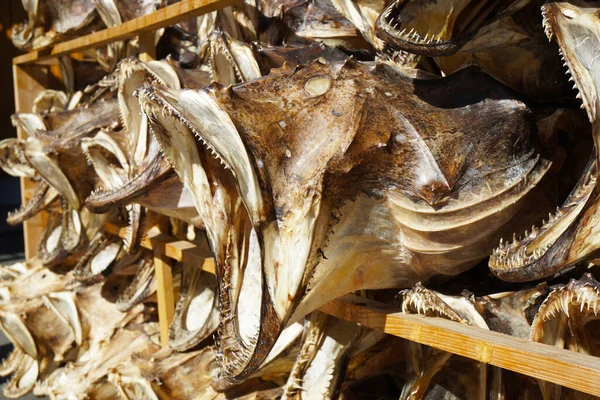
(574, 370)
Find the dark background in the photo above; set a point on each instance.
(11, 237)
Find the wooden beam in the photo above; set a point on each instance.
(195, 252)
(147, 46)
(164, 287)
(28, 81)
(170, 15)
(563, 367)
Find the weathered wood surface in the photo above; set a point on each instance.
(161, 18)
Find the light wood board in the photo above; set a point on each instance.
(563, 367)
(170, 15)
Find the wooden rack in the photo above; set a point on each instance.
(574, 370)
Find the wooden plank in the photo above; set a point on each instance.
(178, 250)
(170, 15)
(563, 367)
(28, 81)
(147, 46)
(164, 292)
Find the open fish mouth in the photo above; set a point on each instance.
(41, 199)
(141, 286)
(570, 235)
(156, 171)
(196, 313)
(323, 357)
(228, 210)
(63, 236)
(568, 318)
(438, 27)
(12, 160)
(102, 251)
(540, 252)
(23, 362)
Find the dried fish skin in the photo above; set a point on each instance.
(291, 205)
(52, 21)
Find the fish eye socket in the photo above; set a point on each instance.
(317, 85)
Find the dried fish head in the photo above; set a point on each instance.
(52, 21)
(231, 61)
(439, 27)
(569, 235)
(128, 162)
(23, 361)
(13, 162)
(568, 319)
(320, 366)
(289, 170)
(139, 161)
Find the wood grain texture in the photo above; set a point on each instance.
(165, 296)
(564, 367)
(28, 81)
(164, 17)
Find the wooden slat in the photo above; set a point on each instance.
(563, 367)
(181, 11)
(28, 81)
(147, 46)
(197, 253)
(165, 297)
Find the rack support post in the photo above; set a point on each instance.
(28, 81)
